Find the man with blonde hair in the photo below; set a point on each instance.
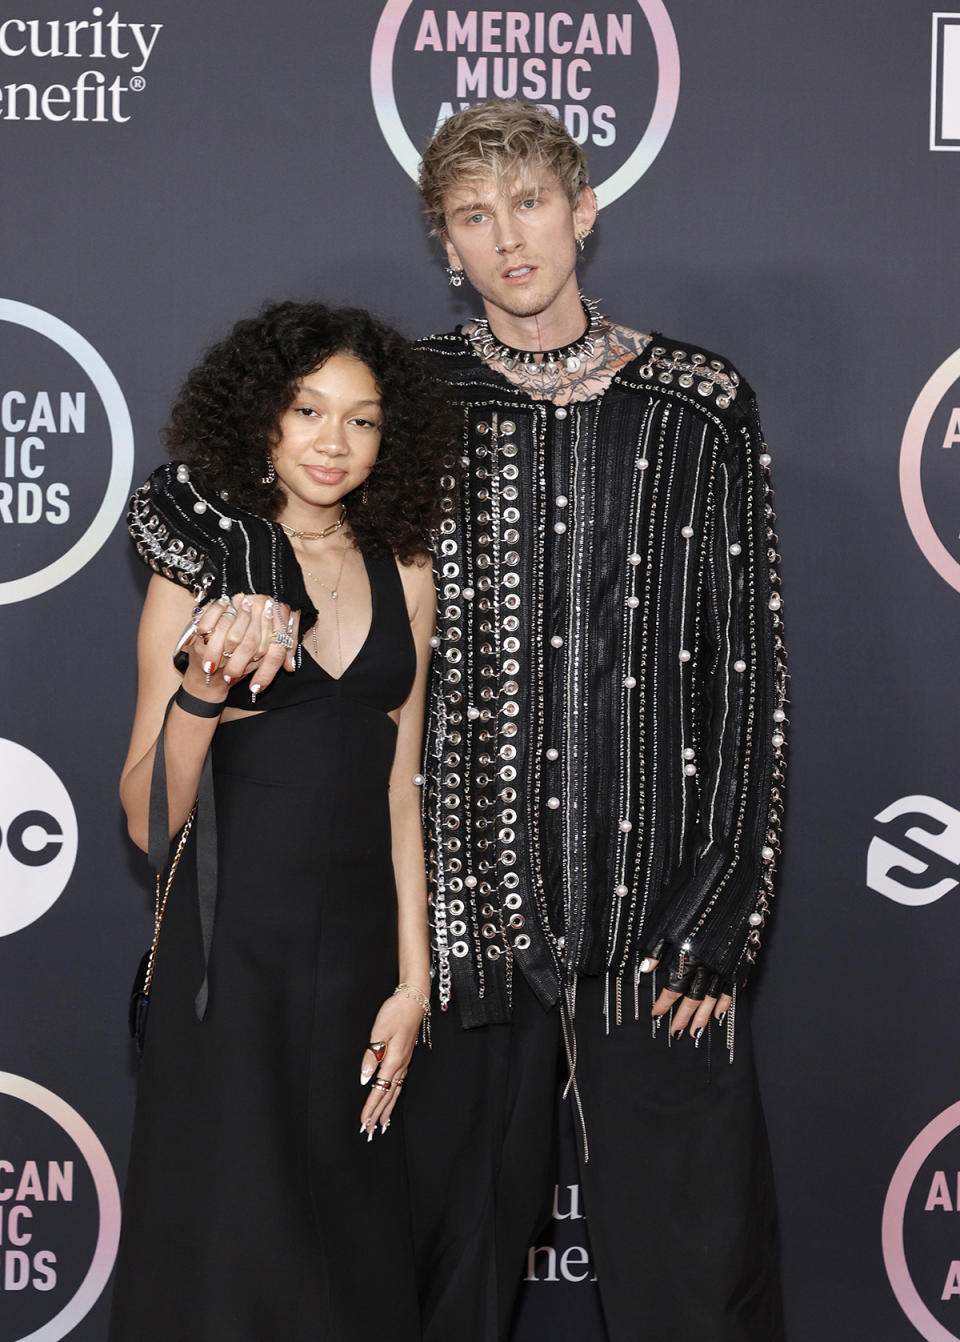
(603, 780)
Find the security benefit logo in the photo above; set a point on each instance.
(66, 451)
(88, 68)
(38, 837)
(921, 1248)
(59, 1214)
(945, 82)
(610, 74)
(559, 1297)
(916, 858)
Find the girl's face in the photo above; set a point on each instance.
(329, 435)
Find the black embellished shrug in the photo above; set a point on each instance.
(604, 758)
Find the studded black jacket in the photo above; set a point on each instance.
(605, 739)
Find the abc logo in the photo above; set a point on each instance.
(38, 837)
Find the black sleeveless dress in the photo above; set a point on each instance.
(254, 1209)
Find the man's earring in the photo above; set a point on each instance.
(269, 476)
(582, 239)
(365, 493)
(455, 276)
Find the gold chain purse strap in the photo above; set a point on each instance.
(160, 906)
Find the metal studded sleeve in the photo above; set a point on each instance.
(733, 700)
(198, 539)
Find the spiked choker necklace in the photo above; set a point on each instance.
(567, 357)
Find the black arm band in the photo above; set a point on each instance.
(200, 708)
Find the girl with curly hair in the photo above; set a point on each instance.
(288, 537)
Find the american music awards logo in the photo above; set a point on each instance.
(920, 1249)
(610, 74)
(59, 1214)
(66, 451)
(930, 470)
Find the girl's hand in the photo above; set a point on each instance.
(235, 637)
(394, 1034)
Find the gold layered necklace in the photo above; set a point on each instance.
(334, 594)
(298, 535)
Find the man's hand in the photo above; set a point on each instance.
(697, 991)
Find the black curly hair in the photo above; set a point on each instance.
(230, 405)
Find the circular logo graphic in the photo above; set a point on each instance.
(930, 470)
(59, 1213)
(611, 75)
(66, 451)
(920, 1249)
(38, 837)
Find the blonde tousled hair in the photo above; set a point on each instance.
(502, 137)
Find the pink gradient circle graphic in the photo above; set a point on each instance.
(108, 1200)
(911, 460)
(619, 182)
(894, 1207)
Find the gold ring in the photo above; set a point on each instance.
(378, 1048)
(206, 635)
(381, 1084)
(398, 1081)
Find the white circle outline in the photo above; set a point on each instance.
(894, 1208)
(108, 1199)
(121, 435)
(911, 460)
(626, 176)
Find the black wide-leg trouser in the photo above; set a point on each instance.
(678, 1188)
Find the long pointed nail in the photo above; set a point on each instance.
(384, 1125)
(268, 610)
(363, 1128)
(646, 966)
(698, 1035)
(365, 1074)
(721, 1018)
(372, 1131)
(246, 603)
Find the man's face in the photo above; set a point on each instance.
(516, 239)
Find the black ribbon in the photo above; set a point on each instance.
(205, 848)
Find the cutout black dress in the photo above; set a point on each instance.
(254, 1209)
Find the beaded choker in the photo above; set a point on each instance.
(568, 356)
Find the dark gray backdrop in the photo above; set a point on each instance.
(796, 220)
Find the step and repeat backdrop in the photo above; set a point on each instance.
(779, 182)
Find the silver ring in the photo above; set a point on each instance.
(284, 639)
